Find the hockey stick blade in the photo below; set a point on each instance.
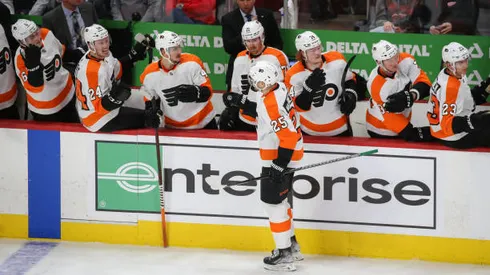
(218, 185)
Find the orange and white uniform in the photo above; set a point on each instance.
(94, 80)
(449, 97)
(58, 88)
(242, 65)
(380, 87)
(324, 118)
(8, 87)
(278, 126)
(190, 70)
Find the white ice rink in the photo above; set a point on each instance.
(21, 257)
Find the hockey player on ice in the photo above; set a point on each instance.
(315, 84)
(281, 147)
(39, 65)
(394, 85)
(181, 82)
(452, 103)
(240, 113)
(100, 92)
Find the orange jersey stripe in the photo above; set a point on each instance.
(376, 87)
(55, 101)
(452, 89)
(9, 95)
(287, 138)
(296, 68)
(93, 82)
(151, 68)
(393, 122)
(195, 119)
(290, 213)
(422, 76)
(336, 124)
(332, 56)
(271, 154)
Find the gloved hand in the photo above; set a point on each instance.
(171, 96)
(32, 56)
(245, 84)
(121, 91)
(138, 52)
(400, 101)
(315, 80)
(149, 42)
(481, 92)
(153, 114)
(348, 101)
(188, 93)
(276, 172)
(479, 121)
(234, 100)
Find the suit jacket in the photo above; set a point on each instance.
(231, 32)
(55, 21)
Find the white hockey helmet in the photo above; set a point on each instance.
(167, 40)
(263, 75)
(252, 30)
(94, 33)
(454, 52)
(22, 29)
(383, 50)
(306, 41)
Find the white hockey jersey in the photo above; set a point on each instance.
(278, 126)
(190, 70)
(380, 87)
(8, 87)
(94, 80)
(449, 97)
(242, 65)
(324, 117)
(58, 88)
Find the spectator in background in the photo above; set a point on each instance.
(400, 16)
(195, 12)
(43, 6)
(232, 28)
(9, 4)
(150, 10)
(457, 17)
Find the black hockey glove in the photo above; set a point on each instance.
(121, 91)
(138, 52)
(474, 122)
(315, 80)
(416, 134)
(193, 93)
(348, 101)
(481, 92)
(153, 114)
(245, 84)
(234, 100)
(276, 172)
(32, 57)
(400, 101)
(171, 96)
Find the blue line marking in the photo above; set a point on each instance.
(26, 258)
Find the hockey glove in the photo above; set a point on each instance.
(481, 92)
(171, 96)
(234, 100)
(138, 52)
(416, 134)
(245, 84)
(400, 101)
(348, 101)
(32, 57)
(121, 91)
(153, 114)
(315, 80)
(276, 172)
(193, 93)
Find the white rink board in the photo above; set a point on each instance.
(449, 188)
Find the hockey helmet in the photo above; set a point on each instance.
(167, 40)
(263, 75)
(252, 30)
(383, 50)
(94, 33)
(454, 52)
(22, 29)
(306, 41)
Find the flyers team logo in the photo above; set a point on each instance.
(52, 67)
(5, 59)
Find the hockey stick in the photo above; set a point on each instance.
(160, 183)
(367, 153)
(344, 73)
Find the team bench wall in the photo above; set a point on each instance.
(410, 201)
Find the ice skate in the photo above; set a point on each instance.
(280, 260)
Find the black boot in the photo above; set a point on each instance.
(280, 260)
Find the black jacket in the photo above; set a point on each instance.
(233, 22)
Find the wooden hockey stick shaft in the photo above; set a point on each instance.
(367, 153)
